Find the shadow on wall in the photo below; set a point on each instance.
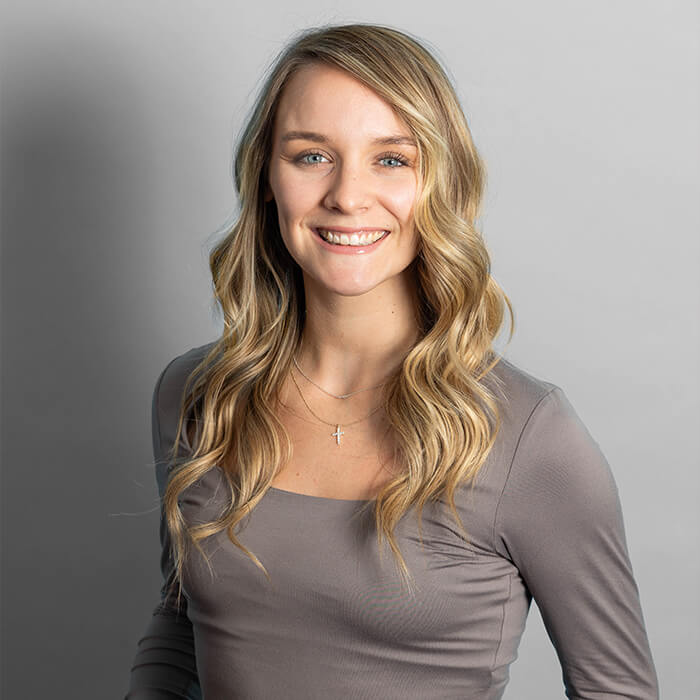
(78, 217)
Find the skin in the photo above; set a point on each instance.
(360, 309)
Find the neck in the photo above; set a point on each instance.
(353, 343)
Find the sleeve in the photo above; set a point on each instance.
(560, 522)
(164, 667)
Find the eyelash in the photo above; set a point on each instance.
(395, 156)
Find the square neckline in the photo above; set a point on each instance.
(320, 498)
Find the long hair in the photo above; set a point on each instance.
(443, 416)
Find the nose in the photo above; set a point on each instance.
(349, 189)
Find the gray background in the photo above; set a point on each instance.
(118, 121)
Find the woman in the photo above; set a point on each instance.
(354, 411)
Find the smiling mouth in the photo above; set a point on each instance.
(358, 238)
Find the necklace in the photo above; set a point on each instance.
(342, 396)
(338, 432)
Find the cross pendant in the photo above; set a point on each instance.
(338, 432)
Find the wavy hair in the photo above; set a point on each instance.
(439, 408)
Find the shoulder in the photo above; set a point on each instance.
(545, 451)
(518, 393)
(168, 392)
(557, 472)
(546, 426)
(173, 377)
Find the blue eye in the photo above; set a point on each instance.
(302, 158)
(398, 159)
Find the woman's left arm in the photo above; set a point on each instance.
(560, 521)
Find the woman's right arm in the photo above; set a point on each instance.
(164, 667)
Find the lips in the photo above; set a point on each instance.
(349, 248)
(350, 229)
(353, 238)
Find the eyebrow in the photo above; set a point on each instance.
(320, 138)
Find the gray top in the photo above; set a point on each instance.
(544, 521)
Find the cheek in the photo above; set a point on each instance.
(401, 198)
(294, 196)
(402, 203)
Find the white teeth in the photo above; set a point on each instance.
(354, 239)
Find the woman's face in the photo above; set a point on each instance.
(329, 170)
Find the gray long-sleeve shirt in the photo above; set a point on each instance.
(544, 522)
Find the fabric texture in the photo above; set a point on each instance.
(544, 522)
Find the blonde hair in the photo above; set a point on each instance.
(444, 417)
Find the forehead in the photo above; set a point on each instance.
(331, 101)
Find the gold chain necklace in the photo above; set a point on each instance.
(338, 432)
(342, 396)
